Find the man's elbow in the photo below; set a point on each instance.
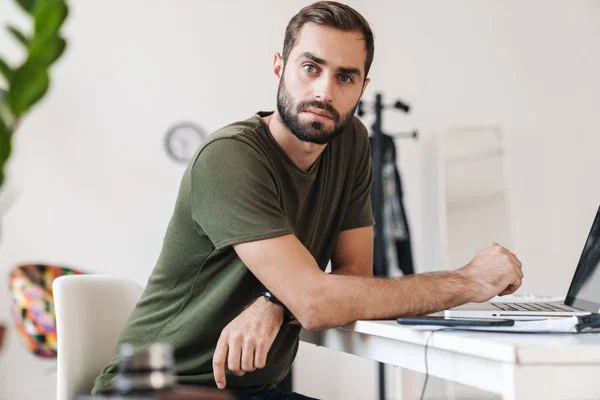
(311, 321)
(316, 310)
(313, 317)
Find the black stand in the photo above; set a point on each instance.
(380, 267)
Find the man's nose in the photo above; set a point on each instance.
(324, 89)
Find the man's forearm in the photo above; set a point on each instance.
(344, 299)
(320, 300)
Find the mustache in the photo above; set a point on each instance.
(323, 106)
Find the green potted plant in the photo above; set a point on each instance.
(25, 84)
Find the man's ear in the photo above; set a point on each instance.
(277, 66)
(365, 84)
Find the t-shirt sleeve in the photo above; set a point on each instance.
(234, 197)
(359, 212)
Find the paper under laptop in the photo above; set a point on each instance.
(583, 297)
(551, 325)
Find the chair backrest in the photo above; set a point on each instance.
(90, 313)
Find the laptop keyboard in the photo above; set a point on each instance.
(543, 307)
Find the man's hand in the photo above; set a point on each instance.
(494, 271)
(245, 342)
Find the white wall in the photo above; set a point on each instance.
(96, 189)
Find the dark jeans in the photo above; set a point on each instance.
(275, 394)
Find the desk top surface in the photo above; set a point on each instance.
(521, 348)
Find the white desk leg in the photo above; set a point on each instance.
(513, 390)
(530, 383)
(406, 384)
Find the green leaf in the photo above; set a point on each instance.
(28, 85)
(27, 5)
(5, 148)
(5, 113)
(46, 50)
(49, 16)
(18, 35)
(6, 71)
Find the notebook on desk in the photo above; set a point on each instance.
(583, 297)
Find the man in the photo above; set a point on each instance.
(265, 205)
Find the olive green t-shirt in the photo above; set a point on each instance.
(241, 186)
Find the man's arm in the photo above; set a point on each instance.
(353, 253)
(321, 301)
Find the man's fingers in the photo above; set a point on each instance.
(512, 286)
(517, 264)
(260, 355)
(235, 355)
(248, 356)
(518, 271)
(219, 360)
(514, 262)
(510, 289)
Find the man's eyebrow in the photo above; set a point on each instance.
(320, 61)
(350, 71)
(311, 56)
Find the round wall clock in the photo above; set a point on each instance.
(182, 141)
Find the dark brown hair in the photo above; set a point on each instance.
(335, 15)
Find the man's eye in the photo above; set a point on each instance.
(346, 78)
(309, 68)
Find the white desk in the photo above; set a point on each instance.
(516, 366)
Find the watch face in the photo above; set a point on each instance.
(183, 140)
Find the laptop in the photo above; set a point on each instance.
(583, 297)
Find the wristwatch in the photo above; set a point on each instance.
(287, 315)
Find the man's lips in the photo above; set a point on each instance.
(321, 113)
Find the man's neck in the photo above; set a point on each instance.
(303, 154)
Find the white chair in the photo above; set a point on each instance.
(90, 312)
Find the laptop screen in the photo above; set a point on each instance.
(584, 292)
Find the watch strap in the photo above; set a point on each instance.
(287, 315)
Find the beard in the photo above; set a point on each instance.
(312, 131)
